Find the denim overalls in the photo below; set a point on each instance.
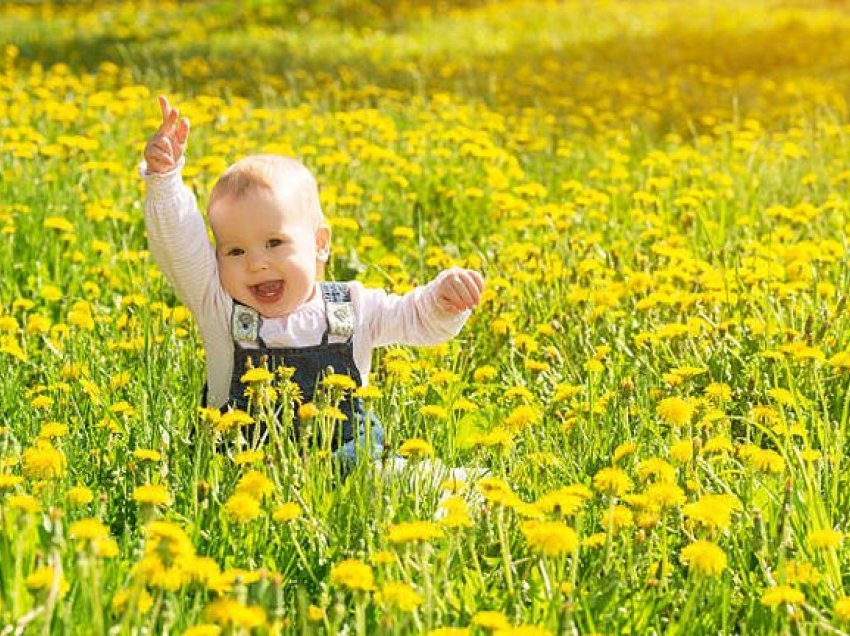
(310, 364)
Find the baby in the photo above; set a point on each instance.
(259, 291)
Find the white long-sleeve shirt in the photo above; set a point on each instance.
(179, 244)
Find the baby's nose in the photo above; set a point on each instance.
(257, 263)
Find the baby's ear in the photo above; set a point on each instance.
(323, 242)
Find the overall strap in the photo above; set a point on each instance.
(339, 311)
(245, 326)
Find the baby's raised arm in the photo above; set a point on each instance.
(177, 235)
(165, 148)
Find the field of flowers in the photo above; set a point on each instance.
(658, 379)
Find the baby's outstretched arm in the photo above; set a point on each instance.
(427, 315)
(165, 148)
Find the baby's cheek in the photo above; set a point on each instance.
(228, 278)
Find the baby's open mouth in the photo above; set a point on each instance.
(268, 291)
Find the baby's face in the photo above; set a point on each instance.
(268, 256)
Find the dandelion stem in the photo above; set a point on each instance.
(506, 555)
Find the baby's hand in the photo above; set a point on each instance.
(165, 148)
(459, 289)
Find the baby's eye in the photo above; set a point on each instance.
(235, 251)
(275, 242)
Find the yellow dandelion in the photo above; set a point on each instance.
(682, 451)
(612, 481)
(595, 540)
(229, 612)
(353, 574)
(137, 600)
(490, 619)
(257, 375)
(499, 437)
(383, 557)
(248, 457)
(88, 529)
(825, 538)
(50, 430)
(255, 484)
(434, 411)
(369, 392)
(339, 381)
(232, 419)
(147, 455)
(42, 580)
(522, 416)
(79, 495)
(665, 495)
(657, 469)
(484, 373)
(802, 573)
(841, 609)
(712, 511)
(764, 414)
(456, 513)
(399, 595)
(810, 455)
(8, 482)
(152, 494)
(566, 392)
(718, 444)
(705, 557)
(308, 411)
(551, 538)
(413, 531)
(782, 595)
(562, 501)
(783, 397)
(289, 511)
(616, 518)
(24, 503)
(840, 361)
(767, 461)
(416, 447)
(44, 462)
(334, 414)
(242, 507)
(623, 450)
(675, 411)
(719, 391)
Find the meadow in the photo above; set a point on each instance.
(657, 380)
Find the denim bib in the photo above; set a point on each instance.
(311, 363)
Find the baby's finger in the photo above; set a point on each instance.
(461, 294)
(472, 290)
(478, 279)
(164, 145)
(450, 305)
(165, 108)
(158, 159)
(183, 130)
(169, 116)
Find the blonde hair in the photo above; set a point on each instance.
(286, 177)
